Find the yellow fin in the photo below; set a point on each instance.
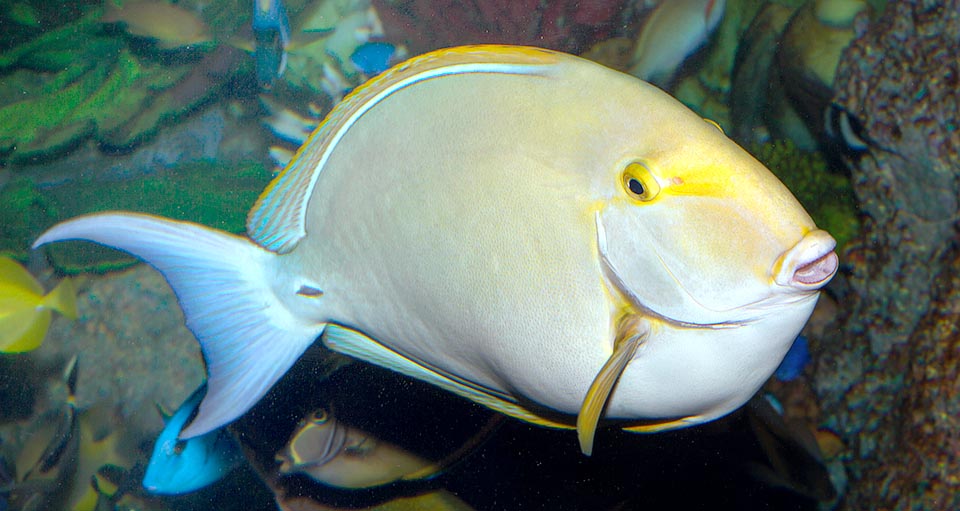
(656, 427)
(354, 344)
(23, 330)
(629, 338)
(14, 274)
(62, 299)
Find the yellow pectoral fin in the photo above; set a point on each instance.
(629, 338)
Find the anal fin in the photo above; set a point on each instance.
(357, 345)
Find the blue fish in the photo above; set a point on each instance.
(182, 466)
(373, 58)
(271, 30)
(795, 360)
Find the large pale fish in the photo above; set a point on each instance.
(533, 231)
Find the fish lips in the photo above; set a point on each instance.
(808, 265)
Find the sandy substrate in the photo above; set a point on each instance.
(134, 350)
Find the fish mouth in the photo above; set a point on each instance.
(808, 265)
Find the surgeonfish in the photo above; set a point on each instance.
(671, 33)
(336, 454)
(339, 455)
(548, 237)
(25, 311)
(183, 466)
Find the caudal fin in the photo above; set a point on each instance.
(223, 283)
(62, 299)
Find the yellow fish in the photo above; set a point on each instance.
(548, 237)
(25, 311)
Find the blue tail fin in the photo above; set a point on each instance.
(248, 337)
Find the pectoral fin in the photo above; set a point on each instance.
(631, 334)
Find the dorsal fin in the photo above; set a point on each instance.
(276, 222)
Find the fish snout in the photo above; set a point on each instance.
(810, 264)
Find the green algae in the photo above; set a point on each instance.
(24, 212)
(205, 192)
(77, 82)
(827, 195)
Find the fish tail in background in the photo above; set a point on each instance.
(62, 299)
(248, 337)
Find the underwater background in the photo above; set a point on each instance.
(188, 109)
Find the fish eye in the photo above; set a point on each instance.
(639, 183)
(319, 417)
(178, 447)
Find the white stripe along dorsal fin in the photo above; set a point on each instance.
(277, 221)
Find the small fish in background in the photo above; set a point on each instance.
(183, 466)
(373, 57)
(25, 311)
(795, 360)
(271, 30)
(286, 124)
(670, 34)
(169, 26)
(45, 464)
(280, 156)
(335, 454)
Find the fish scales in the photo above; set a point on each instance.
(422, 233)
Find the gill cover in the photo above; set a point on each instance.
(702, 236)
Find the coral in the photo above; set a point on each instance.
(827, 195)
(70, 84)
(567, 25)
(83, 80)
(887, 375)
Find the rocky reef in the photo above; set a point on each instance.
(887, 376)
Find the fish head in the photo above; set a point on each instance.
(696, 231)
(318, 439)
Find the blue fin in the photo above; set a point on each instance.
(223, 282)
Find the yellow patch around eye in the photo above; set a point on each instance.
(638, 183)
